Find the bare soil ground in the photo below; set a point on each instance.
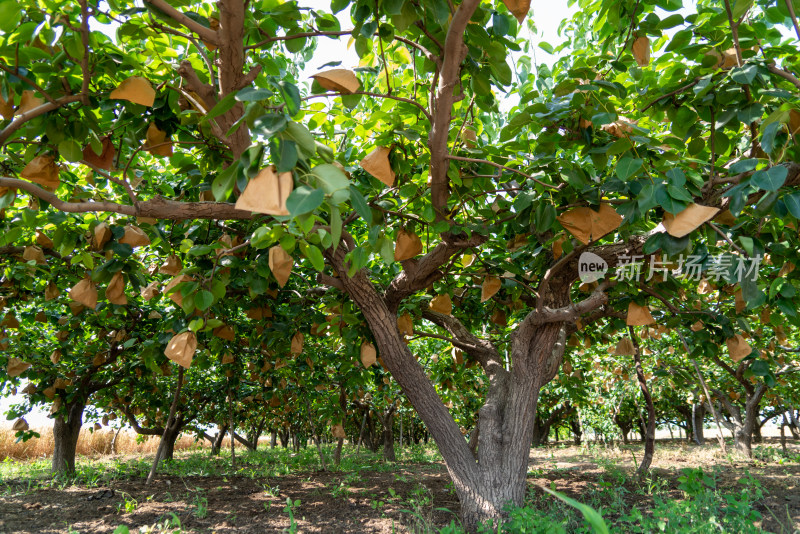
(366, 501)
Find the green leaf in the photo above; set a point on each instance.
(252, 94)
(336, 226)
(304, 139)
(330, 177)
(70, 150)
(792, 202)
(314, 255)
(203, 299)
(740, 7)
(592, 516)
(222, 186)
(269, 124)
(223, 106)
(360, 205)
(744, 165)
(771, 179)
(744, 75)
(544, 216)
(10, 15)
(291, 97)
(628, 167)
(304, 200)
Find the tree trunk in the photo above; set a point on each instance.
(114, 441)
(284, 437)
(506, 419)
(388, 435)
(337, 454)
(216, 446)
(650, 442)
(742, 425)
(577, 432)
(172, 425)
(273, 439)
(170, 438)
(698, 416)
(757, 437)
(65, 438)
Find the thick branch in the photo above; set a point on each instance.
(442, 105)
(20, 121)
(419, 274)
(482, 350)
(207, 34)
(158, 207)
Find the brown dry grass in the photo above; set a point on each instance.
(96, 443)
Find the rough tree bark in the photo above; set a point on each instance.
(65, 438)
(698, 419)
(388, 434)
(741, 424)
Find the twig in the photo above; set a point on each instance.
(672, 93)
(503, 167)
(376, 95)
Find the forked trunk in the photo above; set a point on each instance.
(506, 420)
(65, 438)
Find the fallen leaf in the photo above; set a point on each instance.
(688, 220)
(181, 349)
(377, 164)
(340, 80)
(588, 225)
(267, 192)
(135, 89)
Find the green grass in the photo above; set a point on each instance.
(691, 501)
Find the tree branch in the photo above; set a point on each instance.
(158, 207)
(207, 34)
(504, 168)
